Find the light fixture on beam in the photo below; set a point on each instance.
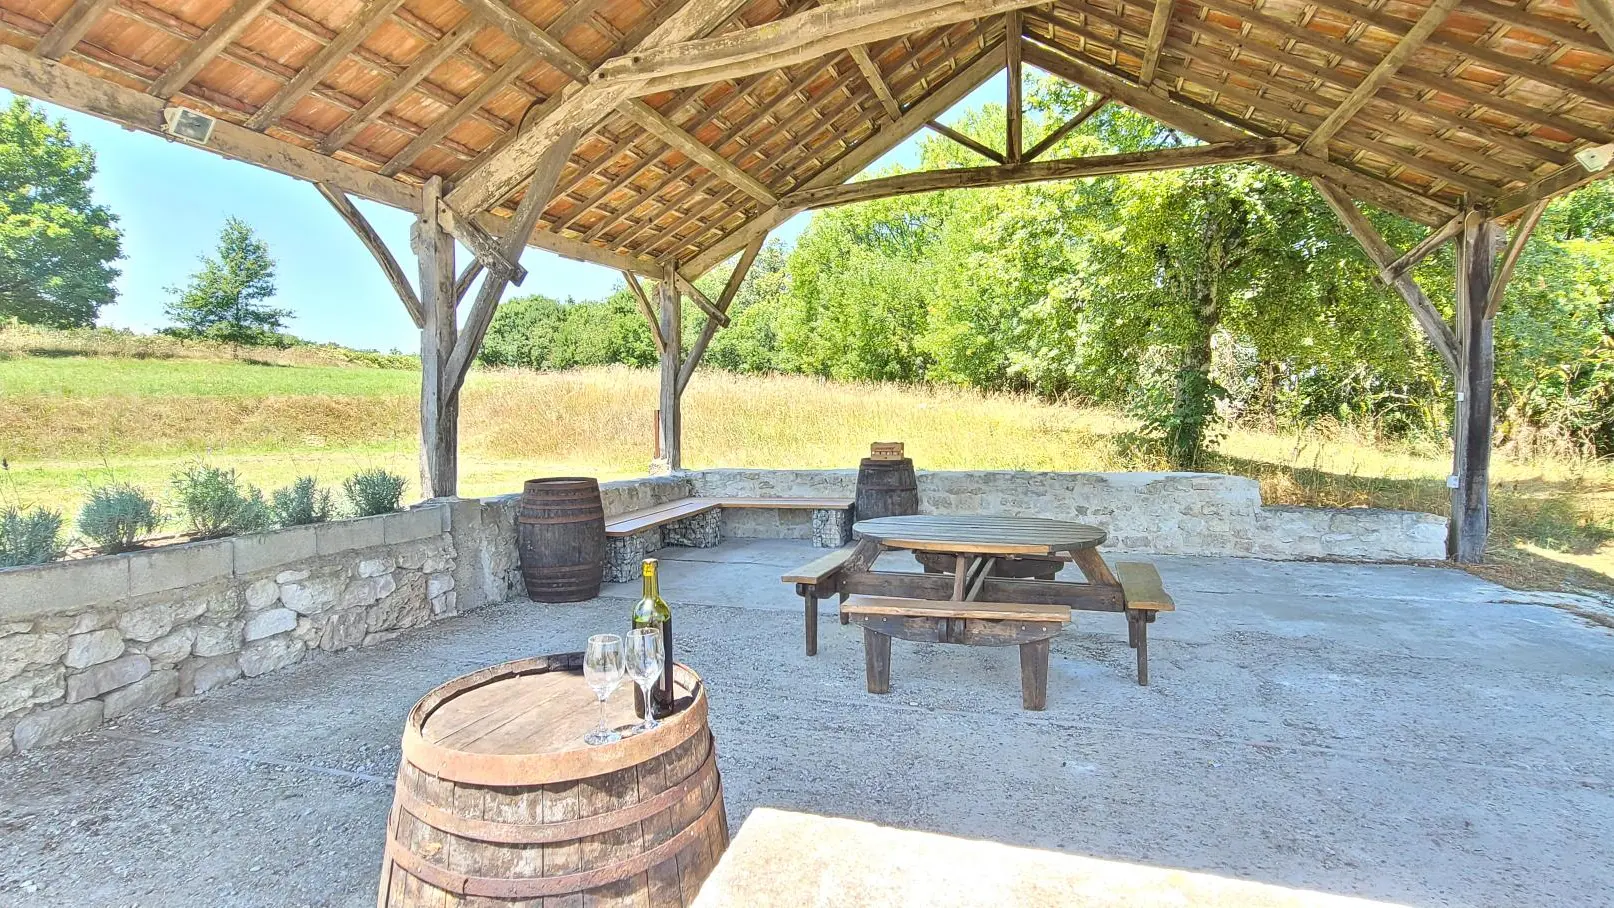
(1595, 157)
(188, 125)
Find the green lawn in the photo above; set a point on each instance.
(80, 376)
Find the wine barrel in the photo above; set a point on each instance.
(560, 530)
(886, 488)
(499, 801)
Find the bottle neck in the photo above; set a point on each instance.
(652, 587)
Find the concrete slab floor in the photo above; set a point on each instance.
(1403, 733)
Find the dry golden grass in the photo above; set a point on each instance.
(1554, 517)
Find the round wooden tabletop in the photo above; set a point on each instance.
(982, 534)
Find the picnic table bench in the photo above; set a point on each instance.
(696, 522)
(974, 603)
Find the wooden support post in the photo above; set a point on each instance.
(672, 324)
(1012, 141)
(439, 413)
(1476, 373)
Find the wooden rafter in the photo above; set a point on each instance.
(496, 82)
(370, 15)
(200, 52)
(1510, 258)
(1317, 142)
(1566, 179)
(1039, 171)
(785, 42)
(402, 84)
(877, 84)
(659, 126)
(1066, 128)
(985, 151)
(372, 242)
(71, 27)
(1159, 23)
(889, 136)
(1380, 253)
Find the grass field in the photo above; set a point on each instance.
(72, 415)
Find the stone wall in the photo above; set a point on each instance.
(1161, 513)
(82, 642)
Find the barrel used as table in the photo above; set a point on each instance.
(499, 801)
(560, 535)
(886, 488)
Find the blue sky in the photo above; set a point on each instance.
(171, 199)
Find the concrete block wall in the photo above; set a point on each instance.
(82, 642)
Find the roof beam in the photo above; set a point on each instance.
(785, 42)
(1566, 179)
(1382, 255)
(58, 83)
(402, 83)
(872, 75)
(1317, 142)
(1418, 253)
(372, 14)
(1156, 42)
(1510, 259)
(1066, 128)
(646, 309)
(71, 27)
(985, 151)
(577, 107)
(201, 52)
(1040, 171)
(1014, 130)
(669, 132)
(941, 98)
(730, 290)
(1179, 115)
(496, 82)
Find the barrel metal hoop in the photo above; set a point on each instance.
(539, 887)
(529, 834)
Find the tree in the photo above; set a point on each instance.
(56, 245)
(225, 299)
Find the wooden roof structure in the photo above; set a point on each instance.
(1419, 108)
(663, 137)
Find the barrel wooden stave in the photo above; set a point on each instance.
(560, 528)
(886, 488)
(644, 834)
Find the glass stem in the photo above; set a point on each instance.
(600, 729)
(649, 704)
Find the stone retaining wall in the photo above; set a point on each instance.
(85, 641)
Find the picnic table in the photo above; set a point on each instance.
(987, 600)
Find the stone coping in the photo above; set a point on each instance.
(64, 586)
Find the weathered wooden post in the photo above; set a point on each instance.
(433, 246)
(672, 325)
(1475, 384)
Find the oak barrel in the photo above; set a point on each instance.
(886, 488)
(560, 531)
(499, 801)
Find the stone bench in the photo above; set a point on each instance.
(697, 523)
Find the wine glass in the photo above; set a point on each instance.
(602, 669)
(644, 667)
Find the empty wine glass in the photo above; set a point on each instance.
(644, 667)
(602, 669)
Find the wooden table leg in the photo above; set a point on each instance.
(1093, 567)
(960, 569)
(1034, 674)
(877, 660)
(811, 602)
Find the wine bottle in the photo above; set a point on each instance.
(651, 611)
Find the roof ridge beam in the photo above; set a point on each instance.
(1415, 38)
(794, 39)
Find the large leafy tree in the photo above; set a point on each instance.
(225, 300)
(56, 245)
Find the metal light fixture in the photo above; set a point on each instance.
(189, 125)
(1595, 157)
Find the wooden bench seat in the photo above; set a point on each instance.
(1145, 597)
(1028, 626)
(663, 514)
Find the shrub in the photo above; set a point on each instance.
(302, 502)
(215, 503)
(372, 492)
(117, 515)
(29, 537)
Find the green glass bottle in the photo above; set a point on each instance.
(651, 611)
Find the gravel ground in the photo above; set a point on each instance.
(1403, 733)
